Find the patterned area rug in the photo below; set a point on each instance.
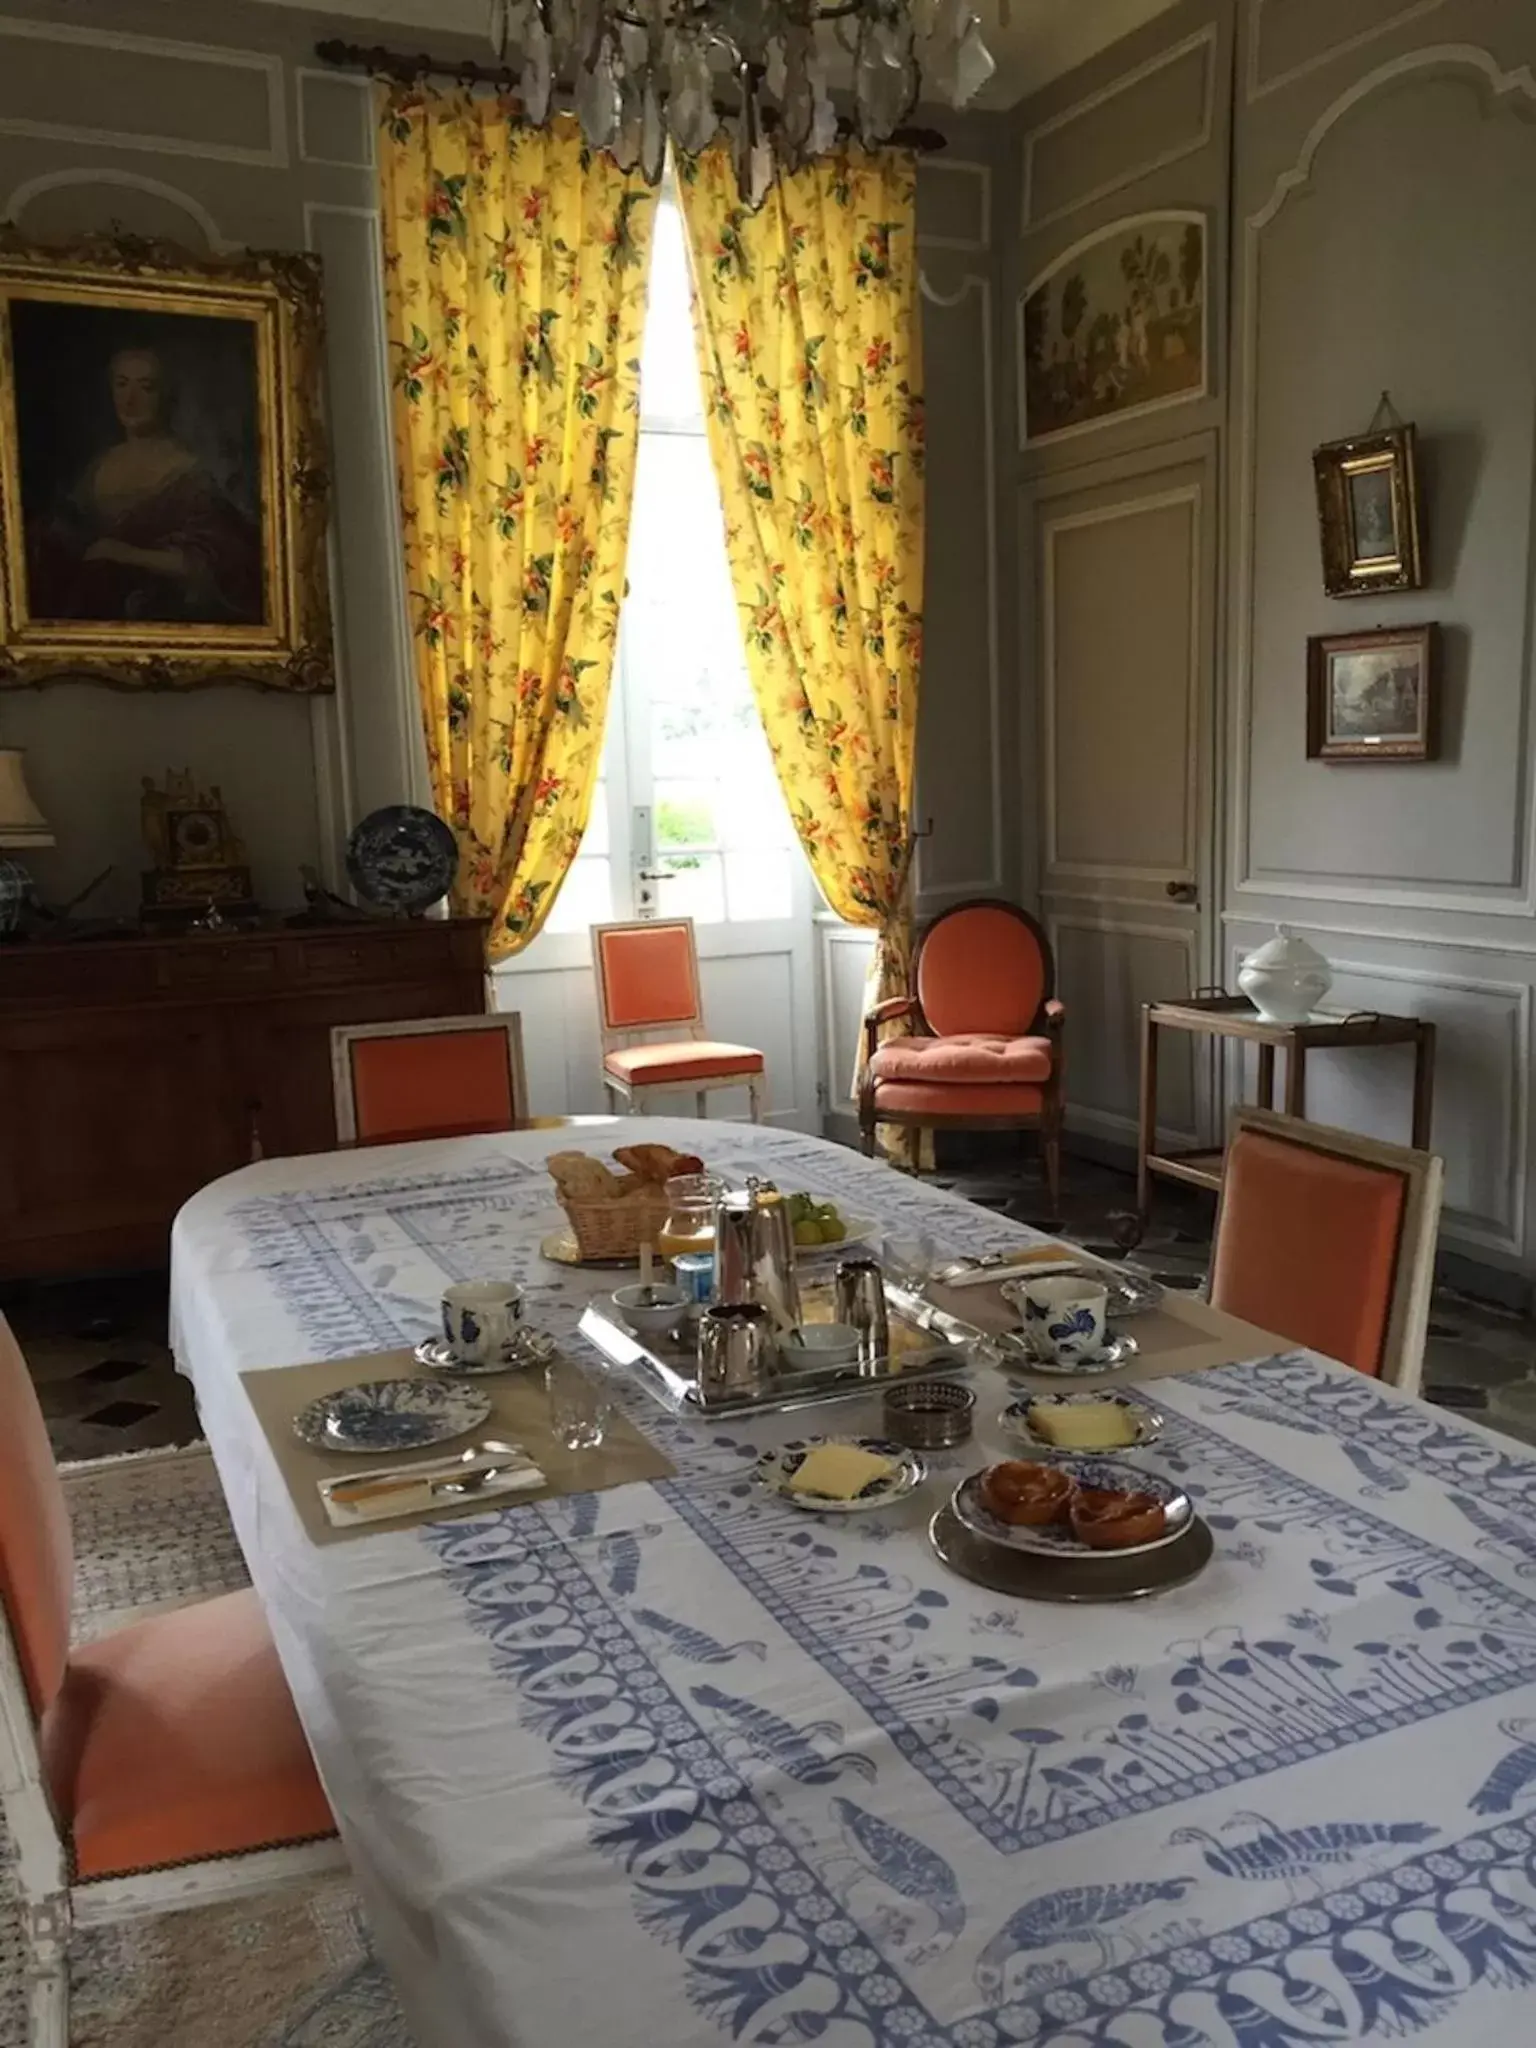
(293, 1970)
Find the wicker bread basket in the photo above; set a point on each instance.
(616, 1228)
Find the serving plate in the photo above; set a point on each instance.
(391, 1415)
(1106, 1575)
(402, 858)
(1058, 1539)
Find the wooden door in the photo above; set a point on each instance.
(1121, 557)
(112, 1122)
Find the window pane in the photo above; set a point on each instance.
(594, 841)
(758, 884)
(586, 897)
(685, 813)
(669, 377)
(695, 888)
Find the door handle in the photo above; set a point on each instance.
(1182, 892)
(654, 875)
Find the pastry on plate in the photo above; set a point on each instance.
(1106, 1519)
(1028, 1496)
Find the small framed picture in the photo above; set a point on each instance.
(1374, 696)
(1368, 513)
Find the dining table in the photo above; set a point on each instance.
(677, 1764)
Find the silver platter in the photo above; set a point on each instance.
(1133, 1576)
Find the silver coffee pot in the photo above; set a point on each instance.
(755, 1250)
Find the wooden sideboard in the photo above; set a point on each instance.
(134, 1071)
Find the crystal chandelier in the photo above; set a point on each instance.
(642, 71)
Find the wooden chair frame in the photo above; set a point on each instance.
(345, 1036)
(1048, 1022)
(616, 1037)
(51, 1904)
(1413, 1278)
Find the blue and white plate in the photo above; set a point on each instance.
(907, 1472)
(402, 858)
(1015, 1350)
(527, 1348)
(1057, 1539)
(1017, 1419)
(391, 1415)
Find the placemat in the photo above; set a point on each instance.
(519, 1414)
(1182, 1334)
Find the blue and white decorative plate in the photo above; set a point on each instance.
(907, 1472)
(527, 1348)
(1016, 1350)
(391, 1415)
(1057, 1539)
(402, 858)
(1017, 1419)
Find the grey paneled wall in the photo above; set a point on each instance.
(215, 132)
(1118, 578)
(1385, 180)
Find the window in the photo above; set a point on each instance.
(684, 742)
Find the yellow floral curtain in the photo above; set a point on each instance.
(809, 340)
(515, 265)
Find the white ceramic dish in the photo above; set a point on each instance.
(1016, 1419)
(1058, 1539)
(813, 1346)
(907, 1473)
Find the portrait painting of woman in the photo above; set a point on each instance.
(138, 446)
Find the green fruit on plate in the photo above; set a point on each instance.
(833, 1229)
(807, 1231)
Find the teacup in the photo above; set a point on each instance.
(480, 1319)
(1065, 1316)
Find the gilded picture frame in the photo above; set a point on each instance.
(163, 474)
(1368, 513)
(1374, 696)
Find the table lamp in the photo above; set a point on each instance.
(21, 824)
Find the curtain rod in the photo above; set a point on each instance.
(405, 69)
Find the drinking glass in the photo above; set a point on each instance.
(578, 1404)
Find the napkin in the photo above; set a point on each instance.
(1036, 1259)
(418, 1494)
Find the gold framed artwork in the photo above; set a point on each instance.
(1374, 696)
(162, 470)
(1117, 325)
(1368, 513)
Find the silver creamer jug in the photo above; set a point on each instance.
(755, 1250)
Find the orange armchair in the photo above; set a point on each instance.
(984, 1046)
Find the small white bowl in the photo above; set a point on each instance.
(651, 1312)
(812, 1346)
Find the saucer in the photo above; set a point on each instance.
(529, 1347)
(1016, 1353)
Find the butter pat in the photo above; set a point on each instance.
(1083, 1425)
(838, 1471)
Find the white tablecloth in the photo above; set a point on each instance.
(676, 1765)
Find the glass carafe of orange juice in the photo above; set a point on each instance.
(690, 1224)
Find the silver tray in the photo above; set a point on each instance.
(668, 1372)
(1134, 1575)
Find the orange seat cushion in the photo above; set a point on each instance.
(981, 969)
(444, 1084)
(970, 1059)
(691, 1059)
(1308, 1246)
(176, 1739)
(916, 1098)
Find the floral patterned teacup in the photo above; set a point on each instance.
(1064, 1315)
(480, 1319)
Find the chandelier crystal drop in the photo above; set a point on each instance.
(641, 72)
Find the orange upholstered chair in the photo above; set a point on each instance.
(1328, 1238)
(983, 1045)
(648, 981)
(160, 1766)
(430, 1077)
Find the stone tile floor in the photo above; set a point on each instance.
(98, 1352)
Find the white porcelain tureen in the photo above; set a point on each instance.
(1285, 979)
